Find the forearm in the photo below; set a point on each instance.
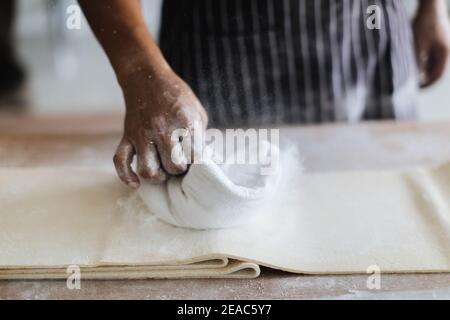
(157, 100)
(121, 30)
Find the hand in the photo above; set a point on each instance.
(157, 104)
(431, 29)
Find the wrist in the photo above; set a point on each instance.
(138, 56)
(140, 67)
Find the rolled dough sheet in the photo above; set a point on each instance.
(333, 223)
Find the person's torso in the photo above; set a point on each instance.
(254, 62)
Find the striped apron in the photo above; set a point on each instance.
(261, 62)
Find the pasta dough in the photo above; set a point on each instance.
(331, 223)
(214, 195)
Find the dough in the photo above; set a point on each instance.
(212, 196)
(328, 223)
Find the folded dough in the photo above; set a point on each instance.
(215, 196)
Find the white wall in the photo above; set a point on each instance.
(67, 70)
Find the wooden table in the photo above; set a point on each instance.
(90, 141)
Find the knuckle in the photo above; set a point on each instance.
(118, 160)
(176, 169)
(147, 173)
(158, 124)
(151, 175)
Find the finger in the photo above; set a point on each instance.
(421, 53)
(149, 167)
(435, 67)
(171, 151)
(422, 60)
(122, 161)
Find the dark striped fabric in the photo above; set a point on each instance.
(259, 62)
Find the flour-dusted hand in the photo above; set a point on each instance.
(158, 104)
(432, 40)
(157, 101)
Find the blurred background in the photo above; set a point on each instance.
(68, 72)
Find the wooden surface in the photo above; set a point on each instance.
(91, 141)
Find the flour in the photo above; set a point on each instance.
(213, 196)
(334, 223)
